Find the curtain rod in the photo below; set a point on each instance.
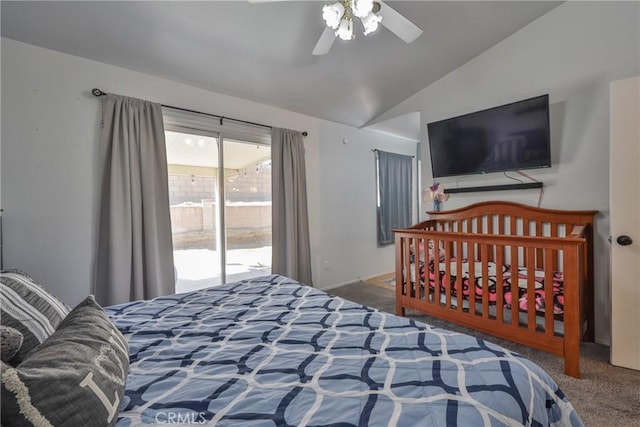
(375, 150)
(98, 92)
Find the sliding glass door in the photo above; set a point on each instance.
(247, 207)
(220, 197)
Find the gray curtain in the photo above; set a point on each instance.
(394, 194)
(291, 255)
(134, 254)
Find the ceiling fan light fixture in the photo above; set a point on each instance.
(361, 8)
(370, 22)
(340, 15)
(332, 14)
(345, 30)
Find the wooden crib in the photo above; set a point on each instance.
(513, 271)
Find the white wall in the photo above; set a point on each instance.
(50, 168)
(348, 201)
(571, 53)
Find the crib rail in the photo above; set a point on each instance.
(530, 325)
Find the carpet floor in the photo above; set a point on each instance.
(605, 396)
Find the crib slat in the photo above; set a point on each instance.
(554, 233)
(405, 267)
(400, 242)
(459, 293)
(490, 218)
(472, 278)
(502, 220)
(515, 289)
(447, 272)
(548, 292)
(485, 284)
(436, 275)
(406, 264)
(500, 285)
(531, 289)
(539, 256)
(415, 283)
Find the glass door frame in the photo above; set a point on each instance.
(221, 232)
(222, 205)
(221, 209)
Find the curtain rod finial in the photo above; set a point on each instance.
(97, 92)
(305, 133)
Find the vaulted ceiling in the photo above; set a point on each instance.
(262, 51)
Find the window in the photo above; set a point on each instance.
(394, 201)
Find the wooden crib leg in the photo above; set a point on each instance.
(400, 310)
(572, 314)
(589, 304)
(589, 333)
(572, 343)
(399, 307)
(572, 360)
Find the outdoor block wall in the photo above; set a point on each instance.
(248, 209)
(201, 217)
(185, 188)
(250, 184)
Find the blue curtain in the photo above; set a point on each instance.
(394, 194)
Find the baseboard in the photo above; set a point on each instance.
(357, 279)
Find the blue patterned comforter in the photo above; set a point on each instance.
(272, 352)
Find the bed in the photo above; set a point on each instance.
(517, 272)
(271, 351)
(267, 351)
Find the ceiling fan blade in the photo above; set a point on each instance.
(398, 24)
(325, 42)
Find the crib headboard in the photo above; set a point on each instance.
(509, 218)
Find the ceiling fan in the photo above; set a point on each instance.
(339, 17)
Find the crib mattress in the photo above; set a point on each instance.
(514, 283)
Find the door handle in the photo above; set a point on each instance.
(624, 240)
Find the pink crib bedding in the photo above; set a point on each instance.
(512, 280)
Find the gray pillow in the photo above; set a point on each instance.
(10, 342)
(75, 378)
(27, 307)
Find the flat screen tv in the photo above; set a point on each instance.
(509, 137)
